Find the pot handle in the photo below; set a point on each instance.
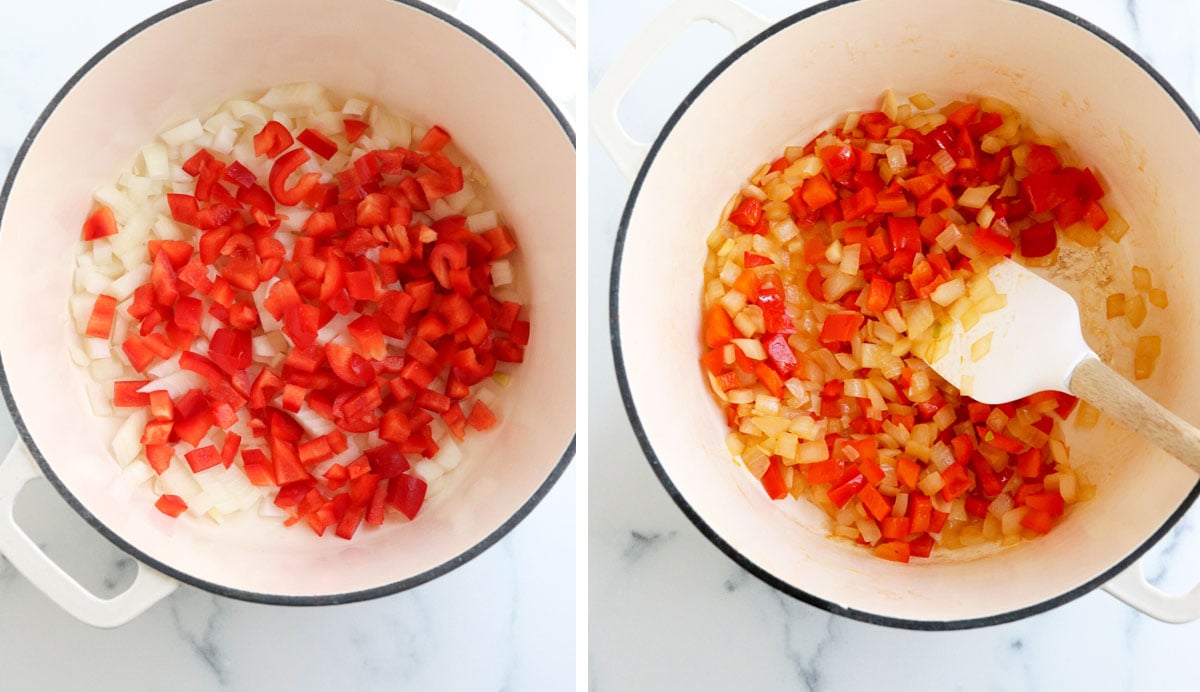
(560, 17)
(148, 588)
(624, 150)
(1132, 588)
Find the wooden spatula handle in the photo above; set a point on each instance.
(1102, 387)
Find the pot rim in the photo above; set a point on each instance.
(639, 430)
(221, 590)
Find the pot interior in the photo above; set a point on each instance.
(803, 76)
(391, 53)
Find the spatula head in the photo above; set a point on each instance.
(1036, 340)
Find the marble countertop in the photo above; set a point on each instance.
(668, 610)
(505, 620)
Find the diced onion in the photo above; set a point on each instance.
(949, 292)
(751, 348)
(944, 161)
(502, 272)
(932, 483)
(921, 101)
(154, 158)
(975, 197)
(183, 132)
(869, 530)
(941, 456)
(127, 443)
(812, 452)
(850, 259)
(483, 221)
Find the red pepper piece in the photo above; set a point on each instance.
(283, 167)
(272, 140)
(354, 129)
(171, 505)
(101, 223)
(406, 494)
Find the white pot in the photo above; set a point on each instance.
(783, 85)
(409, 57)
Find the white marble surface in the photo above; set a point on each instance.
(670, 611)
(505, 621)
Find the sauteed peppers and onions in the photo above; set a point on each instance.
(842, 261)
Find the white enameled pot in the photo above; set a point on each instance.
(410, 57)
(785, 83)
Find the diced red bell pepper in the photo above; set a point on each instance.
(320, 144)
(101, 223)
(859, 204)
(272, 140)
(481, 417)
(838, 159)
(817, 192)
(907, 471)
(434, 140)
(202, 458)
(1039, 239)
(993, 243)
(920, 513)
(747, 213)
(894, 528)
(772, 480)
(354, 129)
(840, 326)
(957, 481)
(1038, 520)
(1042, 159)
(874, 502)
(283, 167)
(101, 320)
(258, 468)
(171, 505)
(406, 493)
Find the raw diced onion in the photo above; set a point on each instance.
(483, 221)
(154, 158)
(183, 132)
(176, 384)
(502, 272)
(127, 443)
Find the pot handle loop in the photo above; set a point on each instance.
(560, 17)
(624, 150)
(1131, 587)
(148, 588)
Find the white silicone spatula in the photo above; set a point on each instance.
(1037, 344)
